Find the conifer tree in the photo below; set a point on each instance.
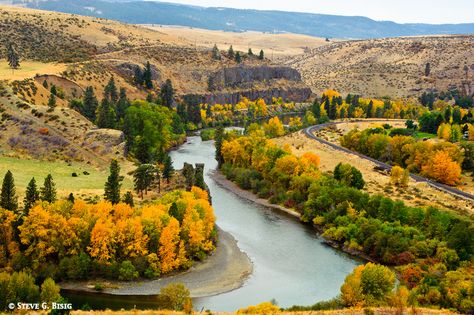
(53, 89)
(90, 104)
(230, 52)
(250, 53)
(147, 76)
(31, 196)
(316, 108)
(216, 54)
(71, 198)
(110, 91)
(218, 143)
(45, 84)
(168, 168)
(128, 199)
(138, 77)
(105, 117)
(113, 184)
(143, 178)
(238, 58)
(167, 93)
(48, 191)
(13, 57)
(52, 101)
(8, 198)
(261, 56)
(122, 104)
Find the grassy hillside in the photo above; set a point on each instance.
(392, 67)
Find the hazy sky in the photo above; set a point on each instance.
(403, 11)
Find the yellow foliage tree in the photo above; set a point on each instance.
(169, 246)
(274, 128)
(442, 168)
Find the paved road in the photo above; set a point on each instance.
(309, 132)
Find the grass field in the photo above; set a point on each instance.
(423, 135)
(29, 69)
(82, 185)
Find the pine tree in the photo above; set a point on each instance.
(45, 84)
(13, 57)
(147, 76)
(167, 94)
(90, 104)
(122, 104)
(8, 198)
(31, 196)
(250, 53)
(199, 177)
(219, 139)
(71, 198)
(138, 77)
(168, 169)
(216, 54)
(48, 191)
(105, 117)
(230, 52)
(110, 91)
(370, 109)
(316, 108)
(52, 101)
(128, 199)
(143, 178)
(53, 89)
(238, 58)
(113, 184)
(261, 56)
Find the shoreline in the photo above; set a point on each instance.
(226, 269)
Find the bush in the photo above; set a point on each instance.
(127, 271)
(174, 297)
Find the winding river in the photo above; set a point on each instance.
(291, 263)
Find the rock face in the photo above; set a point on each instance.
(127, 70)
(244, 77)
(296, 94)
(109, 137)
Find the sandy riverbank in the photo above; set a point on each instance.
(220, 179)
(225, 270)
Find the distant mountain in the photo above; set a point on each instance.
(320, 25)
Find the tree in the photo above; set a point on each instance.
(12, 57)
(31, 196)
(261, 55)
(71, 198)
(169, 242)
(230, 52)
(8, 198)
(219, 138)
(396, 175)
(216, 54)
(147, 76)
(143, 178)
(50, 291)
(442, 168)
(128, 199)
(105, 117)
(175, 296)
(250, 52)
(48, 191)
(52, 101)
(167, 94)
(376, 282)
(168, 169)
(113, 184)
(316, 108)
(238, 58)
(274, 128)
(122, 105)
(138, 76)
(427, 69)
(110, 91)
(90, 104)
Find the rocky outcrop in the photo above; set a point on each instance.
(244, 76)
(127, 70)
(110, 137)
(294, 94)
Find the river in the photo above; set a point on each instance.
(292, 265)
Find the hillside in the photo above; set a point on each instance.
(392, 67)
(320, 25)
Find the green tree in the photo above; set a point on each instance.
(216, 54)
(128, 199)
(8, 198)
(110, 91)
(113, 184)
(48, 191)
(174, 296)
(31, 196)
(71, 198)
(127, 271)
(219, 139)
(138, 76)
(52, 101)
(238, 58)
(147, 76)
(316, 108)
(49, 291)
(261, 55)
(231, 53)
(376, 282)
(168, 169)
(12, 57)
(90, 104)
(45, 84)
(250, 53)
(143, 178)
(167, 94)
(105, 117)
(122, 105)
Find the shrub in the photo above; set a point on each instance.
(127, 271)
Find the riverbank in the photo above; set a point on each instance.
(225, 270)
(220, 179)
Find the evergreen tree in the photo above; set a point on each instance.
(8, 198)
(175, 213)
(147, 76)
(182, 112)
(143, 178)
(149, 98)
(219, 139)
(90, 104)
(189, 175)
(128, 199)
(113, 184)
(31, 196)
(427, 69)
(216, 54)
(370, 109)
(199, 177)
(230, 52)
(261, 56)
(316, 108)
(53, 89)
(45, 84)
(52, 101)
(71, 198)
(13, 57)
(238, 58)
(122, 104)
(167, 94)
(457, 116)
(250, 53)
(110, 91)
(168, 169)
(142, 152)
(138, 77)
(48, 191)
(333, 109)
(105, 117)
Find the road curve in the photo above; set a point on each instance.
(309, 132)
